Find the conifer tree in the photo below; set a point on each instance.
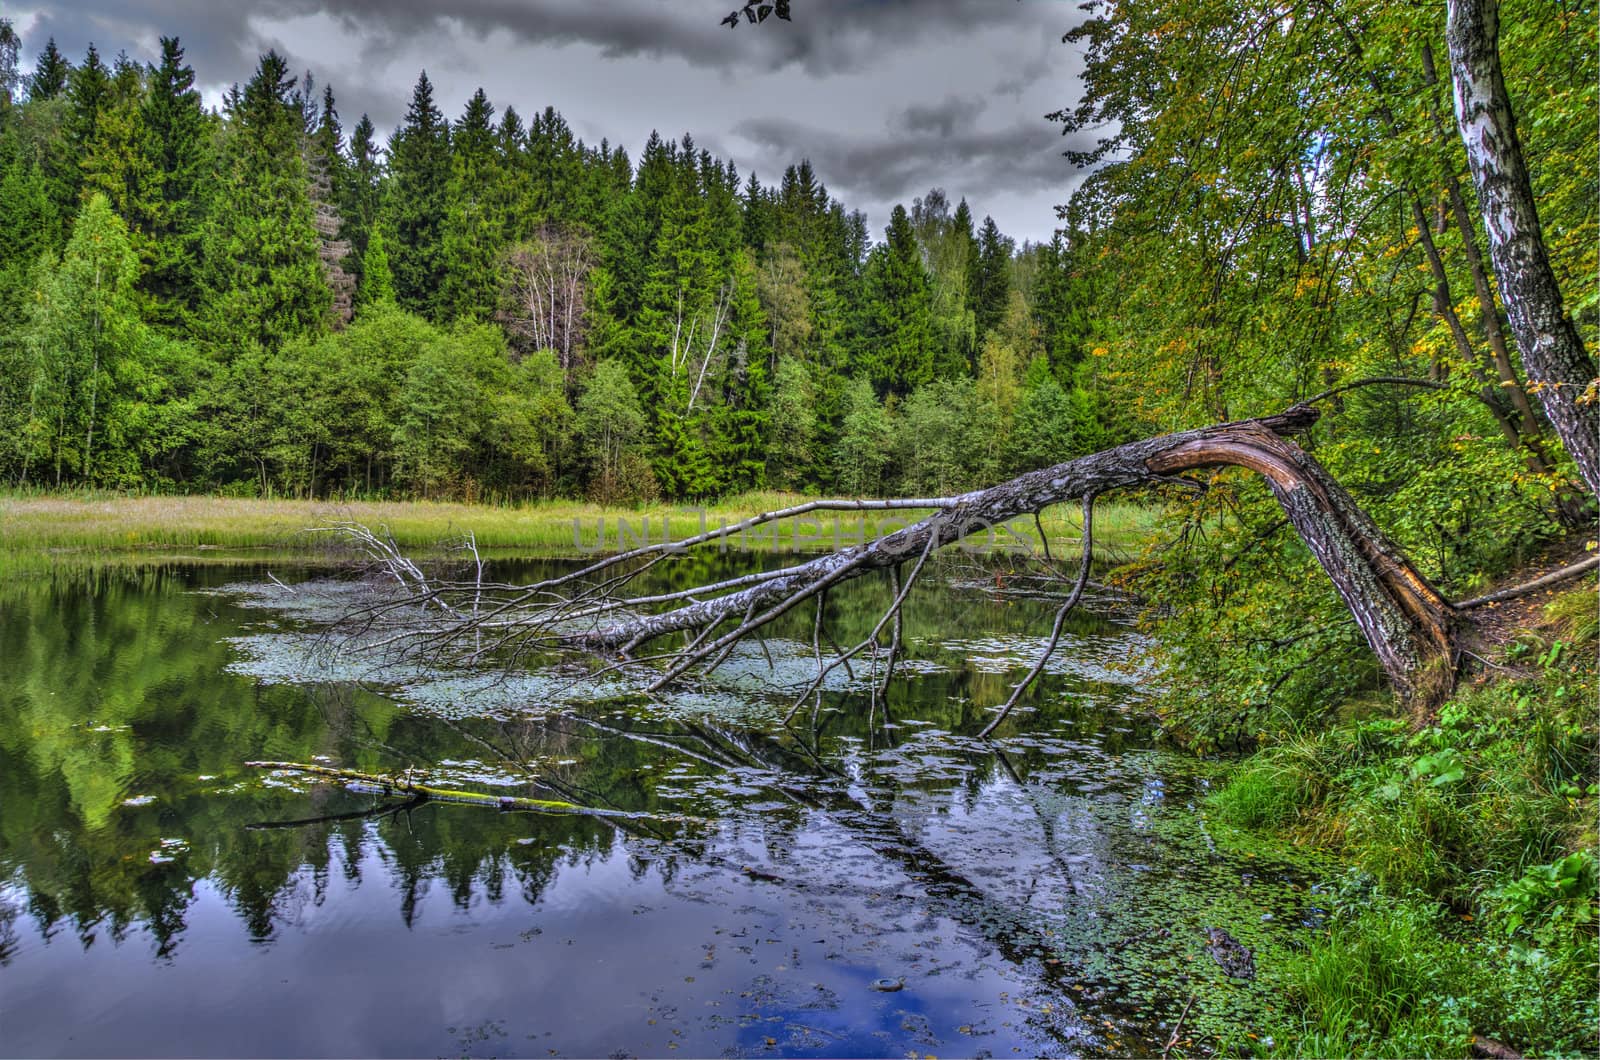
(50, 73)
(116, 161)
(473, 229)
(993, 291)
(326, 170)
(513, 192)
(896, 348)
(756, 222)
(179, 153)
(792, 431)
(1053, 305)
(419, 169)
(741, 410)
(553, 162)
(27, 220)
(963, 234)
(264, 278)
(87, 88)
(361, 194)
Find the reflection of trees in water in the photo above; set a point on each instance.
(134, 654)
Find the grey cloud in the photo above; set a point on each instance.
(955, 112)
(1023, 157)
(915, 126)
(826, 36)
(1042, 64)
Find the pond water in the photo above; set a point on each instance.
(871, 880)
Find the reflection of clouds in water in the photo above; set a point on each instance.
(1113, 659)
(750, 686)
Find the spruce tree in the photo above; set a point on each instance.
(179, 151)
(264, 279)
(964, 236)
(473, 228)
(419, 169)
(362, 191)
(756, 222)
(116, 159)
(896, 347)
(993, 290)
(741, 409)
(87, 88)
(553, 162)
(50, 73)
(326, 169)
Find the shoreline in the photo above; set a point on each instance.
(46, 528)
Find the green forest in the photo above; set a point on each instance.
(255, 302)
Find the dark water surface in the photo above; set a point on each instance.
(1041, 894)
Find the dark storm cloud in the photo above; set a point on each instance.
(1022, 158)
(887, 97)
(825, 37)
(954, 113)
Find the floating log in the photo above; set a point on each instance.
(400, 784)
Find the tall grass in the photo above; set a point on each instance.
(1433, 936)
(92, 525)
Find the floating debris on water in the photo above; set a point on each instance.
(169, 851)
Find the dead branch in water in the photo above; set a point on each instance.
(402, 784)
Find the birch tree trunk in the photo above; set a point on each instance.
(1552, 350)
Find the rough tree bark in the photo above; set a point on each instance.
(1410, 627)
(1404, 619)
(1552, 350)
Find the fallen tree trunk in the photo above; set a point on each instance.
(1410, 627)
(1407, 623)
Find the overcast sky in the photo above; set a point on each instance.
(888, 98)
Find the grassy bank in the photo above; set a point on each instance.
(111, 528)
(1470, 903)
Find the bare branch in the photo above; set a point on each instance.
(1567, 573)
(1061, 618)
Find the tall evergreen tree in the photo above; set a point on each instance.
(362, 192)
(419, 169)
(50, 73)
(993, 291)
(553, 162)
(896, 347)
(264, 278)
(962, 226)
(473, 229)
(116, 160)
(326, 169)
(179, 151)
(87, 88)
